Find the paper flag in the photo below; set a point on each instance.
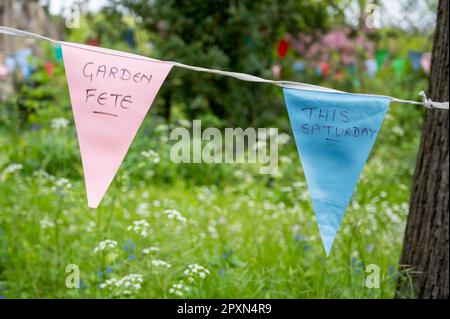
(283, 47)
(425, 62)
(111, 92)
(371, 67)
(415, 59)
(57, 53)
(128, 35)
(3, 72)
(334, 133)
(298, 67)
(380, 57)
(49, 68)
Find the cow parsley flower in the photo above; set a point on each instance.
(160, 263)
(283, 138)
(62, 183)
(59, 123)
(179, 289)
(46, 223)
(125, 285)
(90, 226)
(106, 245)
(12, 168)
(156, 203)
(150, 249)
(140, 227)
(195, 271)
(152, 156)
(213, 232)
(142, 209)
(174, 214)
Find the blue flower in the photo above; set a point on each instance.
(108, 269)
(392, 271)
(35, 127)
(131, 257)
(300, 238)
(129, 245)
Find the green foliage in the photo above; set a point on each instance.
(239, 36)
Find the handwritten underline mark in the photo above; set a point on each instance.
(105, 113)
(331, 140)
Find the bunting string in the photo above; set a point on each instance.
(426, 102)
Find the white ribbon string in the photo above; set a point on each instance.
(24, 34)
(426, 102)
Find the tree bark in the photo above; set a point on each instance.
(424, 259)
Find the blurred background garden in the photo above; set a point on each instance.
(167, 230)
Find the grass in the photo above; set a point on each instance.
(255, 235)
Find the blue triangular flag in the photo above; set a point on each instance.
(334, 133)
(415, 59)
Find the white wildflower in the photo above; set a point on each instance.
(106, 245)
(142, 209)
(91, 225)
(299, 184)
(156, 203)
(12, 168)
(160, 263)
(286, 189)
(398, 131)
(285, 159)
(213, 232)
(59, 123)
(151, 155)
(44, 175)
(179, 289)
(174, 214)
(63, 183)
(140, 227)
(283, 138)
(150, 249)
(295, 228)
(46, 223)
(124, 285)
(196, 271)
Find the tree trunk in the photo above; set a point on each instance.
(426, 246)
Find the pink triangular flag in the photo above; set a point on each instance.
(111, 92)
